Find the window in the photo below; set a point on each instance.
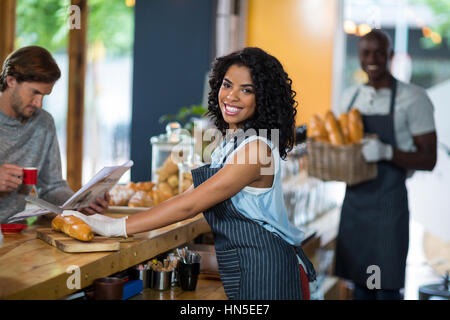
(108, 75)
(43, 23)
(108, 86)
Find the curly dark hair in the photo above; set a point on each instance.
(275, 104)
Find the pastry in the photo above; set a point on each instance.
(73, 227)
(141, 199)
(173, 181)
(165, 187)
(120, 195)
(144, 186)
(355, 126)
(343, 122)
(131, 185)
(317, 129)
(334, 130)
(159, 196)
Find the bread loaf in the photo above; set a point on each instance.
(317, 129)
(165, 187)
(355, 126)
(334, 130)
(72, 226)
(141, 199)
(121, 195)
(144, 186)
(159, 196)
(343, 122)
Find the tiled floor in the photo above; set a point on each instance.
(418, 272)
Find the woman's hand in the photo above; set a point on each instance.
(100, 224)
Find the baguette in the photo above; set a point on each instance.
(343, 122)
(355, 126)
(73, 227)
(317, 129)
(334, 130)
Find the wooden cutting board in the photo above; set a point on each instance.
(68, 244)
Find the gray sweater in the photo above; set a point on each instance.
(32, 144)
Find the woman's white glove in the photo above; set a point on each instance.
(374, 150)
(102, 225)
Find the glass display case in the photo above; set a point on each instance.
(168, 150)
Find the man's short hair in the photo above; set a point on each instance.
(379, 35)
(30, 64)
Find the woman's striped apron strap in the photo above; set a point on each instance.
(310, 272)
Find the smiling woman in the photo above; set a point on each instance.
(237, 96)
(264, 90)
(242, 203)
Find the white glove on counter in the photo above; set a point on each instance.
(374, 150)
(102, 225)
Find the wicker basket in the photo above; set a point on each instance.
(339, 163)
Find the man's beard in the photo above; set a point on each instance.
(17, 106)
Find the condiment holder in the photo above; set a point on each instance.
(110, 288)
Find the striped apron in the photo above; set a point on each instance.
(254, 263)
(374, 225)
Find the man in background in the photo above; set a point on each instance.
(373, 234)
(28, 135)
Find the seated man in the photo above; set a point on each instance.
(27, 133)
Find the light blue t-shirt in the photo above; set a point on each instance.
(263, 205)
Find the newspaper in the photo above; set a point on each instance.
(102, 182)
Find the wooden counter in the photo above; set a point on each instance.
(32, 269)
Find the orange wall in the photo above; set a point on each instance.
(300, 34)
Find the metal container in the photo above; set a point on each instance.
(188, 275)
(140, 272)
(176, 142)
(161, 280)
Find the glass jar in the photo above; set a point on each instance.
(169, 149)
(185, 172)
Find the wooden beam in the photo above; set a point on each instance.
(75, 111)
(7, 28)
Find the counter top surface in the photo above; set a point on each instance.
(33, 269)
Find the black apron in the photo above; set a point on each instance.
(374, 225)
(254, 263)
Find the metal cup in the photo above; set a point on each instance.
(188, 275)
(161, 280)
(140, 273)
